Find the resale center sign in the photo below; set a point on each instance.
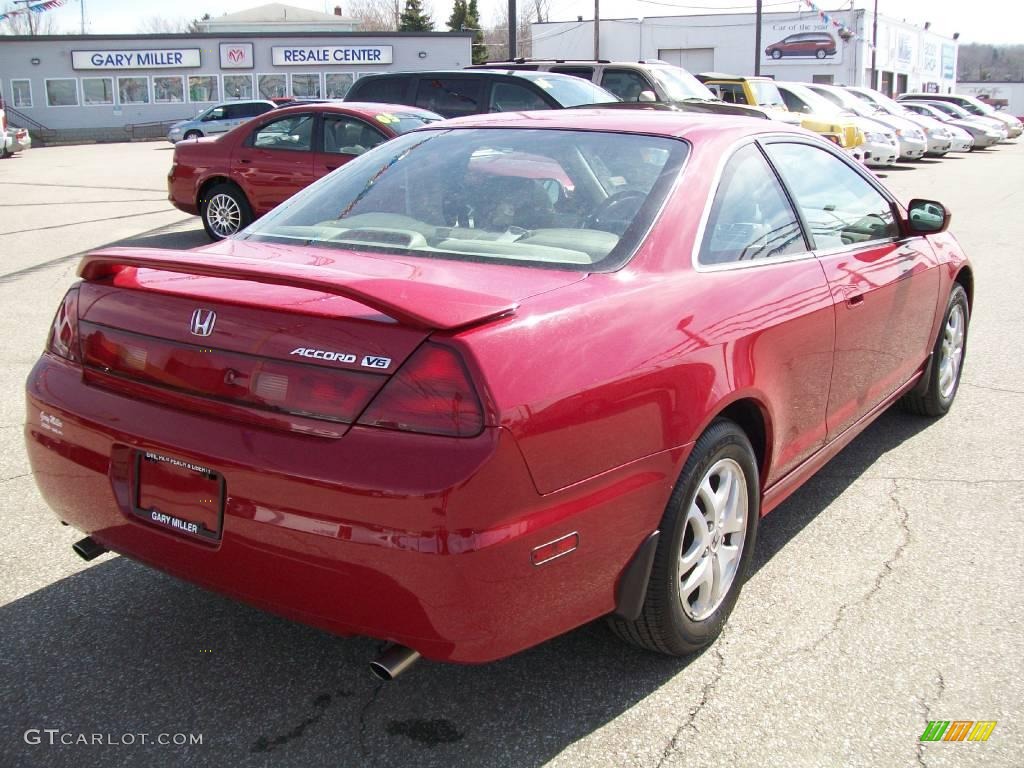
(287, 55)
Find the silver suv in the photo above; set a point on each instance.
(220, 118)
(637, 81)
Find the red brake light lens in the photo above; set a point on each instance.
(431, 393)
(63, 340)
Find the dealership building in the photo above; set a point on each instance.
(794, 46)
(117, 87)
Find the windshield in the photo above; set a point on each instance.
(403, 122)
(818, 104)
(680, 85)
(569, 91)
(977, 106)
(577, 200)
(767, 93)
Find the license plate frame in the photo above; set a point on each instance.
(207, 485)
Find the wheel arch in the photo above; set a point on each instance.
(753, 418)
(965, 278)
(212, 181)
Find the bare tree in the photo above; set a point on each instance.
(161, 25)
(373, 15)
(496, 38)
(42, 23)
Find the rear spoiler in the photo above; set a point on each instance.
(416, 303)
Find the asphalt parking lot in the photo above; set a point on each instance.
(887, 592)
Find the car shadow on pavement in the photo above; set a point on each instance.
(178, 236)
(121, 649)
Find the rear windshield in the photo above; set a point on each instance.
(766, 93)
(579, 200)
(569, 91)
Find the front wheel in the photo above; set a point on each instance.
(943, 374)
(224, 211)
(820, 54)
(193, 135)
(776, 54)
(707, 539)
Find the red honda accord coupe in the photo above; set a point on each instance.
(462, 409)
(231, 179)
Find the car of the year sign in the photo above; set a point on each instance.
(231, 180)
(499, 377)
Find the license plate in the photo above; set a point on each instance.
(179, 495)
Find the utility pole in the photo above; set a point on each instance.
(513, 23)
(31, 28)
(83, 15)
(874, 48)
(757, 39)
(597, 29)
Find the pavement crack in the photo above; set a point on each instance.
(886, 569)
(320, 705)
(362, 718)
(15, 477)
(993, 389)
(926, 710)
(705, 696)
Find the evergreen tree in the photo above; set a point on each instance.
(473, 22)
(458, 18)
(413, 19)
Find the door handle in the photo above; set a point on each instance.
(854, 300)
(244, 160)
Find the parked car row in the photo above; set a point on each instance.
(289, 143)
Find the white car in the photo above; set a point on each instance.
(912, 141)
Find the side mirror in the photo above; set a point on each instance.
(927, 217)
(647, 96)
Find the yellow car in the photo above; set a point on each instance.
(820, 115)
(754, 91)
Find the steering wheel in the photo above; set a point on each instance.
(619, 208)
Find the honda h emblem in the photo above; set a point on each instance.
(202, 322)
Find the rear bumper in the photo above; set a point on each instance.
(420, 540)
(181, 193)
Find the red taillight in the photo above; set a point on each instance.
(63, 339)
(431, 393)
(273, 385)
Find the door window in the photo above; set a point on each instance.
(750, 217)
(448, 96)
(625, 84)
(345, 135)
(294, 132)
(839, 205)
(732, 93)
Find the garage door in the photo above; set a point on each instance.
(690, 59)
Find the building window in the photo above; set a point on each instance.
(203, 88)
(62, 92)
(272, 86)
(133, 90)
(306, 86)
(21, 93)
(337, 84)
(97, 91)
(823, 79)
(168, 89)
(237, 87)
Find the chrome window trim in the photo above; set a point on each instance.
(716, 183)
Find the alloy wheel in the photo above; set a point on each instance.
(715, 527)
(224, 215)
(952, 351)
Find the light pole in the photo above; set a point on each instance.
(513, 22)
(874, 48)
(597, 30)
(757, 40)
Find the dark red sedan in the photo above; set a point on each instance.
(436, 401)
(239, 176)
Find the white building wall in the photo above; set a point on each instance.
(903, 49)
(1012, 92)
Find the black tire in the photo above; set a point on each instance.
(776, 54)
(216, 227)
(663, 625)
(193, 135)
(933, 401)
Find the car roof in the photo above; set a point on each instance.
(368, 110)
(690, 125)
(724, 76)
(522, 73)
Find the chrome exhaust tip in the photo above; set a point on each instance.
(88, 548)
(393, 661)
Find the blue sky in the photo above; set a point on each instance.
(995, 21)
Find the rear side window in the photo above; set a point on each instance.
(451, 97)
(839, 205)
(587, 73)
(257, 108)
(512, 97)
(750, 218)
(235, 111)
(625, 84)
(345, 135)
(388, 90)
(294, 132)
